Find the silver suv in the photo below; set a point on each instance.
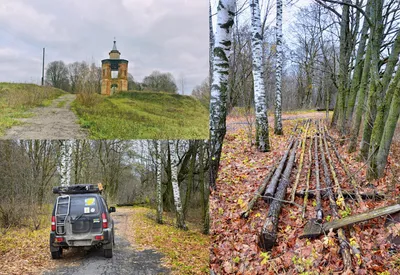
(81, 218)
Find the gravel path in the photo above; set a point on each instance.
(51, 122)
(126, 259)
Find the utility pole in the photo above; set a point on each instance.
(43, 67)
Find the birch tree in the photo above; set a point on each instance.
(65, 162)
(278, 93)
(219, 87)
(211, 42)
(157, 145)
(180, 218)
(262, 135)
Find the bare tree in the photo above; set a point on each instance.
(57, 75)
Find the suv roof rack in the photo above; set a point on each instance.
(77, 189)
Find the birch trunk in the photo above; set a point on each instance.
(65, 162)
(180, 219)
(157, 145)
(262, 135)
(219, 87)
(278, 93)
(211, 41)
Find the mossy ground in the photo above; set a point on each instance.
(144, 115)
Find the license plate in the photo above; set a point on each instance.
(80, 243)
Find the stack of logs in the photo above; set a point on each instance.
(273, 190)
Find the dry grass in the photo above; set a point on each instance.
(16, 99)
(88, 99)
(26, 95)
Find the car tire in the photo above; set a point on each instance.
(108, 253)
(56, 254)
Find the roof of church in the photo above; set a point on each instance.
(114, 49)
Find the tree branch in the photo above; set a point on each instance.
(353, 6)
(327, 7)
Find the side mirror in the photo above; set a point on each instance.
(111, 209)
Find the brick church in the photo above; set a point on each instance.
(114, 76)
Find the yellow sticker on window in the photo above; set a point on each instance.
(89, 201)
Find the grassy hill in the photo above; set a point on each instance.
(16, 99)
(143, 115)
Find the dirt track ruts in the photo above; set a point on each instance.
(126, 259)
(51, 122)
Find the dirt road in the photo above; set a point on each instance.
(56, 121)
(126, 259)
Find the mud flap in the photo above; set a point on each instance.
(108, 245)
(52, 247)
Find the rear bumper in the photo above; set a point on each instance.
(80, 240)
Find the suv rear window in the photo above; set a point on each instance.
(81, 205)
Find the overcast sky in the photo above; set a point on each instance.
(164, 35)
(289, 12)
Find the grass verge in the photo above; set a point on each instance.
(16, 99)
(186, 252)
(144, 115)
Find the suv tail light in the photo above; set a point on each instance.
(104, 218)
(53, 223)
(59, 239)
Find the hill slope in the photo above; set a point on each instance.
(144, 115)
(16, 99)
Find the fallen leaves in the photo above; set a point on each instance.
(234, 241)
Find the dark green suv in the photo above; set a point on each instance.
(81, 218)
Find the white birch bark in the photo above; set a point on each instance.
(219, 87)
(65, 162)
(262, 135)
(211, 38)
(278, 74)
(159, 184)
(180, 219)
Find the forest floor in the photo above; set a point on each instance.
(234, 241)
(142, 247)
(55, 121)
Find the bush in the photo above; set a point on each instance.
(88, 99)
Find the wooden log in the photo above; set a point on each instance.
(343, 243)
(340, 199)
(270, 191)
(323, 109)
(268, 233)
(303, 149)
(313, 230)
(308, 179)
(348, 174)
(261, 189)
(319, 215)
(347, 194)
